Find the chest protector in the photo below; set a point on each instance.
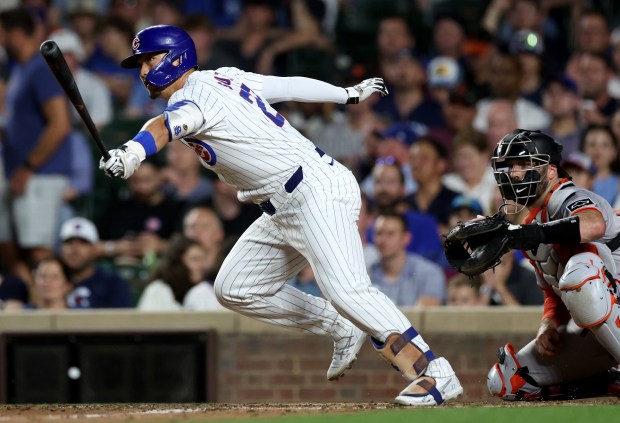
(549, 260)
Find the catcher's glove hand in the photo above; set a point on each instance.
(475, 246)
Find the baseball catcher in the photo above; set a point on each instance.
(571, 237)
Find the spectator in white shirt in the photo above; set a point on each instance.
(96, 95)
(182, 267)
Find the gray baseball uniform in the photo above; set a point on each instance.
(581, 354)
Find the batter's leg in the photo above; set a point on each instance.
(252, 281)
(321, 223)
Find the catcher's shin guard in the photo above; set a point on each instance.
(508, 380)
(587, 291)
(613, 387)
(432, 379)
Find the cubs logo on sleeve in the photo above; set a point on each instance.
(203, 150)
(182, 118)
(577, 204)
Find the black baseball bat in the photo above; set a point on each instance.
(57, 63)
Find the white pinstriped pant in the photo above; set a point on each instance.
(316, 223)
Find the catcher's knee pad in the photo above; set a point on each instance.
(508, 380)
(585, 290)
(400, 351)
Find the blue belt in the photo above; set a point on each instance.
(289, 187)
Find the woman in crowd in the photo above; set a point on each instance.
(51, 285)
(182, 266)
(601, 145)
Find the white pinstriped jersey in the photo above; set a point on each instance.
(225, 117)
(243, 139)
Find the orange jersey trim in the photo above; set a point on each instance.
(554, 308)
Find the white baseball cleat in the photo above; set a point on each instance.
(345, 353)
(433, 388)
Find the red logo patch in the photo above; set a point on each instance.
(203, 150)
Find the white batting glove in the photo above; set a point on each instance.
(364, 89)
(123, 161)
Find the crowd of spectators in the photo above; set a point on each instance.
(461, 75)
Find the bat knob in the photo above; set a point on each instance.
(48, 48)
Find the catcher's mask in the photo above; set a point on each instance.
(530, 152)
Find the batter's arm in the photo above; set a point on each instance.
(160, 130)
(157, 128)
(178, 120)
(297, 88)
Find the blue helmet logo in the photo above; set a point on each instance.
(180, 57)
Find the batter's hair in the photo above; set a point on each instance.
(18, 18)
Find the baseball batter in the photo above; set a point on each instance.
(310, 203)
(572, 238)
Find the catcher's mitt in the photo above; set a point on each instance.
(474, 246)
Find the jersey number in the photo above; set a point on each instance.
(278, 119)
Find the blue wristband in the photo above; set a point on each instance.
(147, 141)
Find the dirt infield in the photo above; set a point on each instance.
(179, 412)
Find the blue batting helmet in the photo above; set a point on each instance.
(164, 39)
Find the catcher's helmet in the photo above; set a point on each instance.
(164, 39)
(534, 150)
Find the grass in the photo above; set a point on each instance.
(532, 414)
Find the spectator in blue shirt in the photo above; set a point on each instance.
(36, 151)
(94, 287)
(389, 197)
(406, 278)
(408, 100)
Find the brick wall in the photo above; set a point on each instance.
(258, 362)
(291, 367)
